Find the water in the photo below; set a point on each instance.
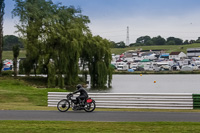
(145, 84)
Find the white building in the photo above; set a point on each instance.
(177, 55)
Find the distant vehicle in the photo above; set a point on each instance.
(187, 68)
(140, 69)
(134, 67)
(122, 67)
(166, 67)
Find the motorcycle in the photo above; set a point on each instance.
(88, 105)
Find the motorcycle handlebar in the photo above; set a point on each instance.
(69, 96)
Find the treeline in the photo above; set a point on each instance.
(57, 40)
(148, 41)
(11, 40)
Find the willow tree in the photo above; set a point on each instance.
(31, 14)
(64, 41)
(54, 37)
(96, 52)
(2, 6)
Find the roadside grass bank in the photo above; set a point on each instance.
(93, 127)
(19, 94)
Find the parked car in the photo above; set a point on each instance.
(187, 68)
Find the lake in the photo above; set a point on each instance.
(183, 83)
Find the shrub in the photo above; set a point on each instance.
(7, 73)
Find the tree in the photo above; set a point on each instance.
(97, 54)
(54, 36)
(176, 41)
(121, 44)
(192, 41)
(158, 40)
(2, 6)
(143, 40)
(149, 43)
(186, 42)
(15, 55)
(10, 41)
(171, 42)
(198, 40)
(113, 44)
(32, 14)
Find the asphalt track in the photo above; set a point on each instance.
(99, 116)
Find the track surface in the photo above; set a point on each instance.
(99, 116)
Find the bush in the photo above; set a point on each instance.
(7, 73)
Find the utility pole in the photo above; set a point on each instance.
(127, 37)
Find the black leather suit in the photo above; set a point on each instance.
(83, 94)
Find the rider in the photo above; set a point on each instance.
(83, 93)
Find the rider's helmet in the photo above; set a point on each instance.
(79, 86)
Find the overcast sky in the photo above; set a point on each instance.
(110, 18)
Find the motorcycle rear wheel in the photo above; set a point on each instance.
(63, 105)
(89, 107)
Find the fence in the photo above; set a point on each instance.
(137, 100)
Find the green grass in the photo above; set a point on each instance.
(19, 94)
(98, 127)
(168, 48)
(9, 54)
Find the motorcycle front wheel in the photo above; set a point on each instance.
(63, 105)
(89, 107)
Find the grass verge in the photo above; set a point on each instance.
(93, 127)
(19, 94)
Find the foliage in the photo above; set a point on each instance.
(64, 44)
(147, 41)
(51, 75)
(27, 66)
(172, 42)
(10, 41)
(7, 73)
(32, 14)
(198, 40)
(98, 60)
(16, 51)
(21, 67)
(175, 41)
(117, 45)
(54, 36)
(143, 40)
(158, 40)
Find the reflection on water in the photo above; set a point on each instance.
(145, 84)
(101, 90)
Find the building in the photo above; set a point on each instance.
(193, 52)
(177, 55)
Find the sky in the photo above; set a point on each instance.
(110, 18)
